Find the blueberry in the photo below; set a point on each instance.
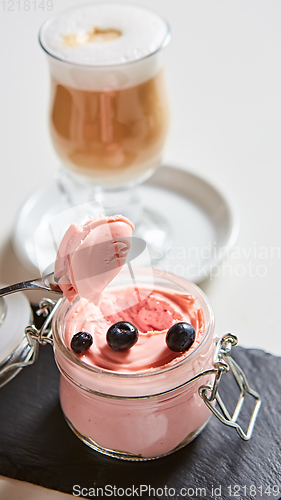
(81, 342)
(180, 337)
(122, 336)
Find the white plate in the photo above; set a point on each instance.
(202, 219)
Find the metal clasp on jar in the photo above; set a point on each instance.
(223, 362)
(43, 335)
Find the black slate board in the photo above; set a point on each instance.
(37, 446)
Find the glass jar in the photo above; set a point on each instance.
(143, 415)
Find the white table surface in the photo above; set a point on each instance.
(224, 79)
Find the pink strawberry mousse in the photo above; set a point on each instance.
(159, 423)
(90, 256)
(152, 316)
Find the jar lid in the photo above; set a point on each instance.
(15, 315)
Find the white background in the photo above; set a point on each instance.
(224, 79)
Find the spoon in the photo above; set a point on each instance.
(48, 282)
(45, 283)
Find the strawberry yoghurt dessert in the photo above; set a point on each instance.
(129, 350)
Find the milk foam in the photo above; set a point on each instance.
(143, 33)
(103, 66)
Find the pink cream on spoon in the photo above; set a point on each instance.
(90, 256)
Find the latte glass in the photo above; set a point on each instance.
(109, 112)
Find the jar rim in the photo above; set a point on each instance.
(173, 278)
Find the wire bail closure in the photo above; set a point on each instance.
(43, 335)
(223, 362)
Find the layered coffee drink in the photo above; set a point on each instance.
(109, 112)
